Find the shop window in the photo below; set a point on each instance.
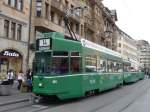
(3, 68)
(6, 28)
(60, 63)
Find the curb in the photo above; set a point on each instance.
(14, 102)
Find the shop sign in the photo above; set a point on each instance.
(10, 53)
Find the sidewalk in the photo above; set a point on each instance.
(16, 96)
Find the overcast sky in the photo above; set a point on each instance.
(133, 17)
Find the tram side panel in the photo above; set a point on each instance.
(130, 77)
(64, 87)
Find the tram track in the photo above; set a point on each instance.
(134, 100)
(13, 106)
(111, 104)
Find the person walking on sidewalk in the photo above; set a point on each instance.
(29, 74)
(10, 77)
(29, 79)
(20, 79)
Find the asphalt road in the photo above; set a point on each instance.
(115, 100)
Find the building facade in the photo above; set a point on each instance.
(144, 54)
(96, 23)
(127, 47)
(14, 27)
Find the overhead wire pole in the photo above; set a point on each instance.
(29, 36)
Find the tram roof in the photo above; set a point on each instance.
(89, 44)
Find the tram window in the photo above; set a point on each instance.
(91, 64)
(114, 66)
(41, 63)
(110, 66)
(38, 66)
(126, 68)
(75, 53)
(60, 63)
(101, 66)
(60, 53)
(117, 67)
(75, 64)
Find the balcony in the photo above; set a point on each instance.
(59, 6)
(44, 24)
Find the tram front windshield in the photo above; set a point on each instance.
(41, 63)
(55, 64)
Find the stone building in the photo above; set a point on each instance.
(14, 26)
(96, 24)
(126, 45)
(144, 54)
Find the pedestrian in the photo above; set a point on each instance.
(148, 74)
(29, 74)
(29, 79)
(20, 79)
(10, 77)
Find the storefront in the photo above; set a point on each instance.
(10, 59)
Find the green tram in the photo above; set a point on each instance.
(69, 69)
(128, 75)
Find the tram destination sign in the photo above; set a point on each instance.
(44, 44)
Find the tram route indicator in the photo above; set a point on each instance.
(44, 44)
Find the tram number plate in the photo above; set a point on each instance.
(44, 44)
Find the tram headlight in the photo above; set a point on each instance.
(40, 84)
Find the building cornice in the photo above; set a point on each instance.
(14, 19)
